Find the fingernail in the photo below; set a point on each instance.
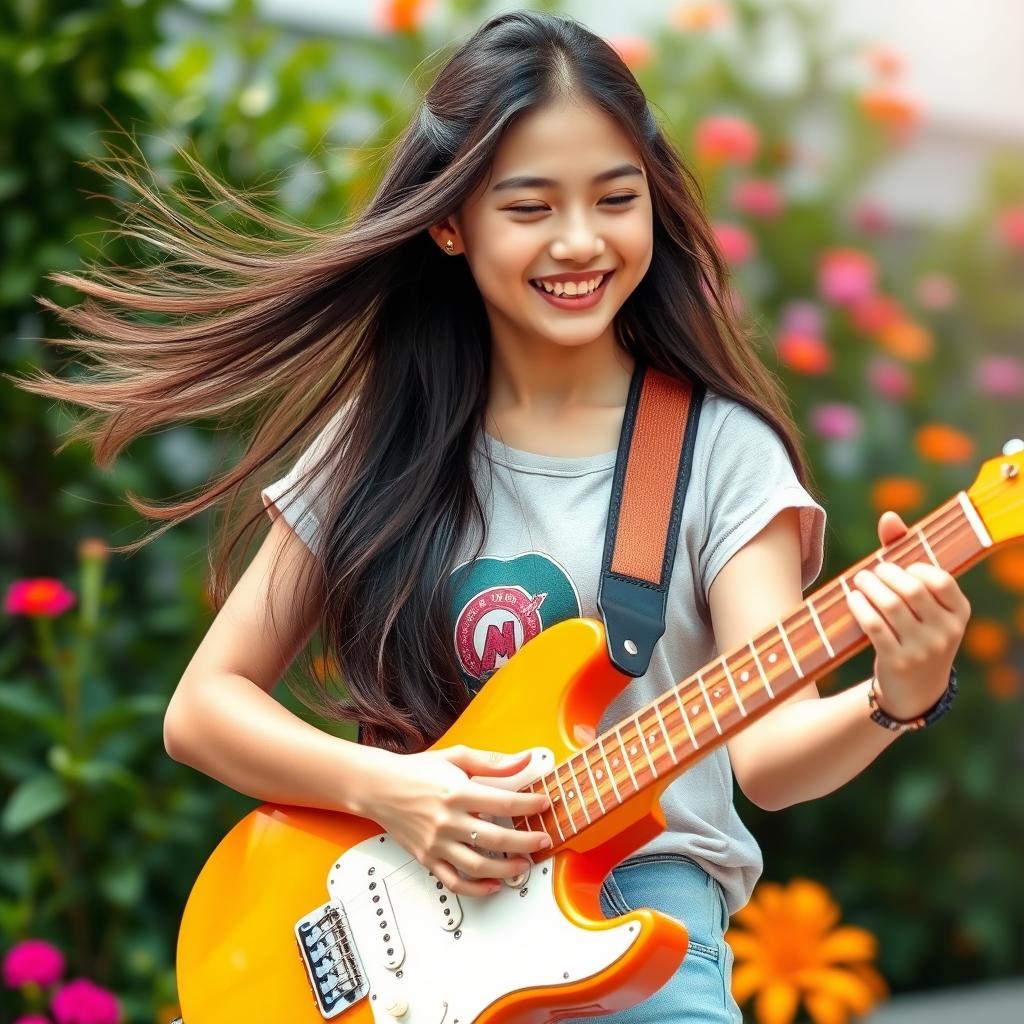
(545, 843)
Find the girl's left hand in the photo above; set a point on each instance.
(916, 618)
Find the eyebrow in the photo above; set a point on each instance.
(528, 181)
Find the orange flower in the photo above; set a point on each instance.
(635, 51)
(985, 639)
(805, 353)
(908, 340)
(938, 442)
(893, 111)
(899, 493)
(1006, 567)
(884, 61)
(401, 15)
(698, 15)
(789, 949)
(1002, 681)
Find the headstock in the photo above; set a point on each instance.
(998, 493)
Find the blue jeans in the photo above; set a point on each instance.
(700, 991)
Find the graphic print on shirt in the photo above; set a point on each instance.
(499, 604)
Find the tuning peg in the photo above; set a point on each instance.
(1013, 446)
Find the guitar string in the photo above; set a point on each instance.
(941, 536)
(938, 533)
(727, 705)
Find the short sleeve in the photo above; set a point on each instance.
(749, 479)
(299, 495)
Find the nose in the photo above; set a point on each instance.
(579, 241)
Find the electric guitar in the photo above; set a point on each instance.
(303, 915)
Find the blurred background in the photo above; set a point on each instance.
(863, 165)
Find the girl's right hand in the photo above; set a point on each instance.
(428, 804)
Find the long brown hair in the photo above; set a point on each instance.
(294, 323)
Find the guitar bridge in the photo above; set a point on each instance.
(332, 964)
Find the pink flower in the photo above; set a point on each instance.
(1010, 224)
(874, 313)
(33, 1018)
(41, 595)
(758, 197)
(737, 244)
(836, 421)
(635, 51)
(845, 276)
(82, 1002)
(33, 961)
(936, 291)
(802, 317)
(889, 378)
(726, 139)
(1000, 376)
(871, 217)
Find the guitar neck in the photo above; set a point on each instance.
(690, 719)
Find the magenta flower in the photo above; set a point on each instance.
(41, 596)
(82, 1002)
(800, 317)
(1000, 376)
(727, 139)
(845, 276)
(835, 421)
(33, 1018)
(737, 244)
(33, 961)
(758, 197)
(936, 291)
(889, 378)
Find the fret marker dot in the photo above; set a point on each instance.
(652, 737)
(717, 693)
(695, 710)
(615, 762)
(744, 675)
(572, 795)
(599, 773)
(632, 749)
(772, 658)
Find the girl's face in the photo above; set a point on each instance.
(593, 213)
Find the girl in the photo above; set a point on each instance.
(457, 406)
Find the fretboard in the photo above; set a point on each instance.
(689, 720)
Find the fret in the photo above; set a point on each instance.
(579, 790)
(643, 743)
(625, 757)
(789, 649)
(972, 517)
(707, 700)
(668, 739)
(757, 661)
(686, 721)
(553, 808)
(842, 580)
(565, 803)
(818, 626)
(732, 686)
(593, 784)
(611, 774)
(927, 547)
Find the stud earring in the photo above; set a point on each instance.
(450, 246)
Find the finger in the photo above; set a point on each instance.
(454, 882)
(942, 586)
(912, 588)
(502, 803)
(476, 865)
(877, 629)
(897, 617)
(502, 840)
(487, 762)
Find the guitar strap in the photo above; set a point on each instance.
(652, 470)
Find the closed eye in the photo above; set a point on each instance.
(614, 200)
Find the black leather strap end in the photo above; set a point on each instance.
(634, 616)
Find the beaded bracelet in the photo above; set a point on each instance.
(930, 717)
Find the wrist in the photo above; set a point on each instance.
(881, 714)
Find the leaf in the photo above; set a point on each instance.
(122, 883)
(25, 701)
(32, 801)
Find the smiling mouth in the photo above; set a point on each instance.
(564, 295)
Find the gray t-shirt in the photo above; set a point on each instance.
(546, 518)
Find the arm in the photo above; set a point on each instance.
(808, 746)
(222, 719)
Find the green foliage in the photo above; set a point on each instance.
(102, 833)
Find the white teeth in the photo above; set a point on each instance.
(572, 287)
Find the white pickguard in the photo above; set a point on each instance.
(447, 969)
